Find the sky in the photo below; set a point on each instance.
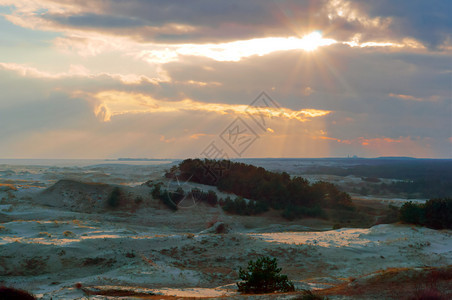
(225, 79)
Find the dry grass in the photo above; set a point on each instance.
(398, 283)
(69, 234)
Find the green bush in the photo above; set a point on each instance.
(412, 213)
(294, 212)
(114, 198)
(165, 197)
(8, 293)
(262, 276)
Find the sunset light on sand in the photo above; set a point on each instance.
(93, 73)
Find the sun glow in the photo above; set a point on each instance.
(235, 51)
(314, 40)
(108, 104)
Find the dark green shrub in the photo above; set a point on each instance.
(262, 276)
(438, 213)
(180, 192)
(412, 213)
(156, 191)
(138, 200)
(114, 198)
(176, 196)
(9, 293)
(166, 197)
(209, 197)
(309, 295)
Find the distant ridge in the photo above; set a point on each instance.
(397, 157)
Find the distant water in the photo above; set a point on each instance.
(79, 162)
(42, 173)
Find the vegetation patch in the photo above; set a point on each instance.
(165, 196)
(310, 295)
(98, 261)
(294, 196)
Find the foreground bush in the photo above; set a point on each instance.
(268, 189)
(114, 197)
(7, 293)
(262, 276)
(240, 206)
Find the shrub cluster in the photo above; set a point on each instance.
(114, 198)
(293, 212)
(268, 189)
(241, 206)
(426, 178)
(209, 197)
(435, 213)
(169, 199)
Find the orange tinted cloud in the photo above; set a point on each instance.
(196, 136)
(77, 71)
(413, 98)
(333, 139)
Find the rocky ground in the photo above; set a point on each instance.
(65, 242)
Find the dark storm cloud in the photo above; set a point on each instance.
(205, 20)
(336, 70)
(197, 21)
(96, 21)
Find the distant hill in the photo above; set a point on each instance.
(397, 157)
